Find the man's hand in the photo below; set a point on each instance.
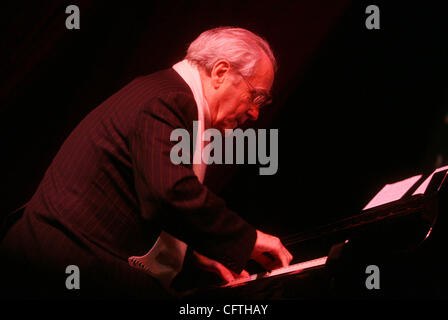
(218, 268)
(270, 252)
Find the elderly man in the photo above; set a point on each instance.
(112, 189)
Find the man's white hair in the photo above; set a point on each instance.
(240, 47)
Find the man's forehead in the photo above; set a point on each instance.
(264, 75)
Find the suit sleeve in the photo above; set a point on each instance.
(185, 208)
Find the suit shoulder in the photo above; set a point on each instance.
(165, 83)
(168, 89)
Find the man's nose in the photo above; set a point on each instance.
(253, 113)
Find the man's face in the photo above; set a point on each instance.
(235, 105)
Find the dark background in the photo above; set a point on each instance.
(355, 108)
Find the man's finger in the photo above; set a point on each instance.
(244, 274)
(280, 256)
(288, 255)
(223, 272)
(272, 246)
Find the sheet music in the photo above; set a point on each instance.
(422, 188)
(392, 192)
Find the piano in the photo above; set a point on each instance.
(400, 232)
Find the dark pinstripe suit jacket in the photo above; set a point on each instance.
(111, 188)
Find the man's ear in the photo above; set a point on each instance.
(219, 73)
